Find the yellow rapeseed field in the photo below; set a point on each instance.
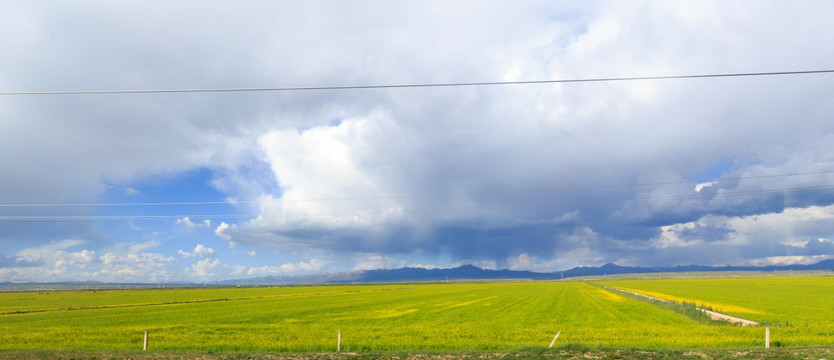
(439, 316)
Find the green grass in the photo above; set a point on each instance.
(571, 352)
(799, 310)
(33, 301)
(372, 318)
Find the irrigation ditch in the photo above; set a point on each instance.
(714, 315)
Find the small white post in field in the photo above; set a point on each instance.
(767, 338)
(145, 345)
(339, 341)
(554, 339)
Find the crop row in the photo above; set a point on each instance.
(455, 316)
(797, 309)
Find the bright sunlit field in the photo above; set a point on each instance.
(445, 316)
(799, 310)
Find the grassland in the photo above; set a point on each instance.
(570, 352)
(799, 310)
(408, 317)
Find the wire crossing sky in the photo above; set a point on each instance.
(395, 86)
(199, 141)
(436, 196)
(398, 211)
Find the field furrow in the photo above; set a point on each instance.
(453, 316)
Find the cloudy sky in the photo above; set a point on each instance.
(206, 186)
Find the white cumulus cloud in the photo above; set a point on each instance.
(288, 268)
(206, 268)
(186, 221)
(199, 250)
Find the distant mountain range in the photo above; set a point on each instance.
(469, 272)
(409, 274)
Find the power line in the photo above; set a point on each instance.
(437, 209)
(120, 217)
(24, 205)
(412, 196)
(415, 85)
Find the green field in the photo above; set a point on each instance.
(408, 317)
(799, 310)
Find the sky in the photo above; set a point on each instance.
(205, 186)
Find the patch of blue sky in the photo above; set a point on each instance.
(335, 122)
(176, 212)
(185, 194)
(715, 170)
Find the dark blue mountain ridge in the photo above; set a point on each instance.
(470, 272)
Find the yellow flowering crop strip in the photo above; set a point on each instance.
(437, 316)
(798, 309)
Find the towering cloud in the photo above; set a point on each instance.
(543, 176)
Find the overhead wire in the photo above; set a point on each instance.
(409, 196)
(413, 85)
(379, 86)
(443, 209)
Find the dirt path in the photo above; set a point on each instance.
(712, 314)
(719, 316)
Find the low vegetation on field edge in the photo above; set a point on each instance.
(567, 352)
(685, 308)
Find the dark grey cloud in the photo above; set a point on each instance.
(533, 138)
(504, 174)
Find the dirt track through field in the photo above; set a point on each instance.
(712, 314)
